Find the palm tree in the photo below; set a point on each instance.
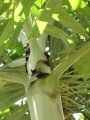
(44, 48)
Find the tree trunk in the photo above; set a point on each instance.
(44, 101)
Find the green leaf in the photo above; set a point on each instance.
(21, 14)
(18, 113)
(81, 7)
(6, 33)
(66, 2)
(1, 3)
(39, 3)
(81, 117)
(44, 18)
(11, 93)
(2, 83)
(4, 7)
(35, 11)
(56, 32)
(68, 21)
(3, 24)
(2, 60)
(82, 66)
(71, 59)
(83, 21)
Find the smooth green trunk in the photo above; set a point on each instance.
(44, 101)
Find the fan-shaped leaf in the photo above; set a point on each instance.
(68, 21)
(81, 7)
(82, 66)
(44, 18)
(10, 94)
(56, 32)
